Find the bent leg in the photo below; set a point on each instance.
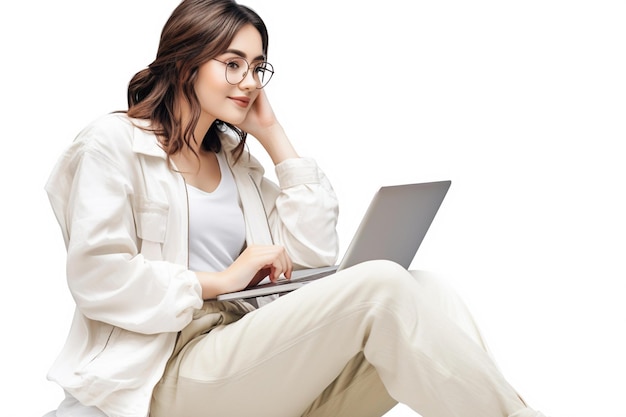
(282, 359)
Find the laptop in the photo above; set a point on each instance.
(392, 228)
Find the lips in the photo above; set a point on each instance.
(241, 101)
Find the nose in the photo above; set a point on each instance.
(248, 82)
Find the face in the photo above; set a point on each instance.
(218, 98)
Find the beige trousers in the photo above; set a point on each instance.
(353, 344)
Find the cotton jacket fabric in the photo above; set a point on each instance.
(122, 210)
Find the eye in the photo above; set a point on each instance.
(233, 64)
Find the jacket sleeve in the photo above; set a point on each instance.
(110, 280)
(302, 213)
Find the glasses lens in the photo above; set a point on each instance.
(263, 73)
(237, 69)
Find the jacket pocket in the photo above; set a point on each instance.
(151, 226)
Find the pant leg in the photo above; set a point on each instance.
(450, 304)
(278, 360)
(357, 391)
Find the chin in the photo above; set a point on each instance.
(232, 119)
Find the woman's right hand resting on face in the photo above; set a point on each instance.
(254, 264)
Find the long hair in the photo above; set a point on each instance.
(196, 32)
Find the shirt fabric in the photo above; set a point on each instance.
(217, 230)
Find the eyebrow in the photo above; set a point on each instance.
(243, 54)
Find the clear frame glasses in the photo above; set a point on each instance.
(237, 69)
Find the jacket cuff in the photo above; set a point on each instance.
(297, 171)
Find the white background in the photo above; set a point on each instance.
(520, 104)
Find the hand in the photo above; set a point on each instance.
(252, 266)
(260, 119)
(261, 123)
(257, 262)
(260, 276)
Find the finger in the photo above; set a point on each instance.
(286, 265)
(277, 269)
(289, 269)
(259, 276)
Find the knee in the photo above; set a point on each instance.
(382, 267)
(383, 276)
(439, 290)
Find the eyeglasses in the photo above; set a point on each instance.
(237, 69)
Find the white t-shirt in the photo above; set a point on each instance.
(217, 231)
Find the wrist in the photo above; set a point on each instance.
(277, 144)
(212, 284)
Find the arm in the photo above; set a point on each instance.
(303, 215)
(261, 123)
(303, 210)
(93, 195)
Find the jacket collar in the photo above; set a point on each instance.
(247, 171)
(145, 142)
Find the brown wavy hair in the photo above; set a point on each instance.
(196, 32)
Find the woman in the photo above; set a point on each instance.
(162, 209)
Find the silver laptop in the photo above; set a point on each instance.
(393, 228)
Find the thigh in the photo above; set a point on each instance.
(276, 360)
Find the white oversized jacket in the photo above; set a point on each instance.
(123, 214)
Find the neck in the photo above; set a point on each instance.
(202, 127)
(200, 132)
